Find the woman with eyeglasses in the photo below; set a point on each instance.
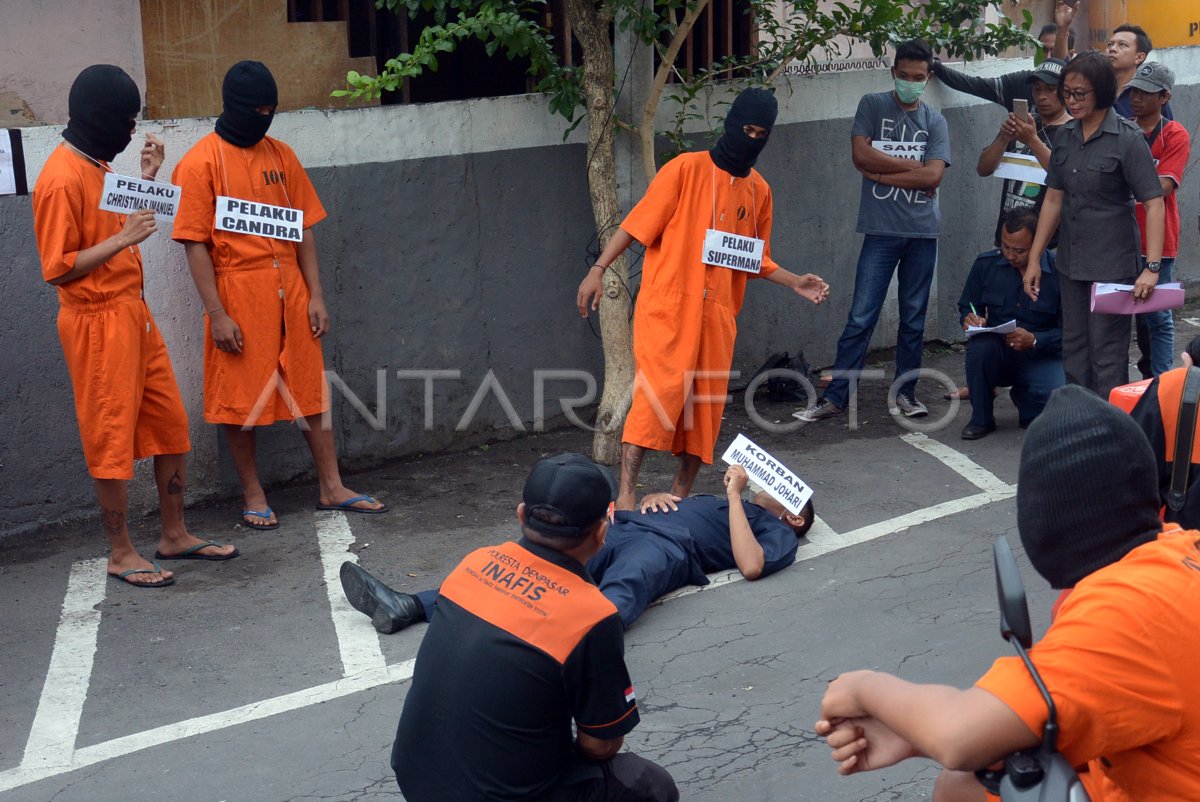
(1099, 165)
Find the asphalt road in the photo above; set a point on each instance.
(252, 680)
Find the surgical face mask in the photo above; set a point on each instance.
(909, 91)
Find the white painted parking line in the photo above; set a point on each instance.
(58, 727)
(56, 723)
(358, 643)
(822, 540)
(958, 462)
(119, 747)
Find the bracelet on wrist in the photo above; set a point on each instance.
(211, 312)
(603, 268)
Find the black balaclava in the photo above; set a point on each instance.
(1087, 488)
(248, 85)
(735, 152)
(102, 106)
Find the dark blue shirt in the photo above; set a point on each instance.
(706, 520)
(996, 289)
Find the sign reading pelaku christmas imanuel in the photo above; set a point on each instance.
(769, 473)
(261, 219)
(125, 195)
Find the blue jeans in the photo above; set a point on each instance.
(878, 259)
(1033, 376)
(1156, 330)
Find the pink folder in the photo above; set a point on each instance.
(1117, 299)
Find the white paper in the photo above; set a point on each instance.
(723, 249)
(902, 150)
(259, 219)
(8, 176)
(1020, 167)
(769, 473)
(126, 195)
(1003, 328)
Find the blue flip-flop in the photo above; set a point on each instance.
(267, 513)
(348, 506)
(194, 553)
(157, 569)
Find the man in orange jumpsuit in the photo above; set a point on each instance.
(1118, 660)
(126, 399)
(246, 221)
(692, 288)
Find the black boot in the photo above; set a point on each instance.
(390, 610)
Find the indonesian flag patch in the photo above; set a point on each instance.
(629, 694)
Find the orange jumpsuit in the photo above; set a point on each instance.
(280, 374)
(126, 399)
(685, 324)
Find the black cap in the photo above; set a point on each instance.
(1048, 72)
(570, 487)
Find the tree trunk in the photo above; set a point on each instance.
(590, 27)
(665, 65)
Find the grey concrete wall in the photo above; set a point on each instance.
(456, 240)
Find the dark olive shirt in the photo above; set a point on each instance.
(1098, 237)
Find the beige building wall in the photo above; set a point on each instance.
(190, 45)
(45, 43)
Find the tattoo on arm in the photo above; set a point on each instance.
(175, 484)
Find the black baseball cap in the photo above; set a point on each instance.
(571, 487)
(1048, 72)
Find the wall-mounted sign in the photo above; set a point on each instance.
(12, 163)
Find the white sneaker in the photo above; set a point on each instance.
(823, 409)
(909, 407)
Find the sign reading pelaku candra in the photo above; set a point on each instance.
(261, 219)
(770, 474)
(127, 195)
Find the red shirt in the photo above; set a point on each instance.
(1170, 151)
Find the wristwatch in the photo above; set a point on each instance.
(1154, 267)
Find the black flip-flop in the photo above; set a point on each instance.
(194, 553)
(157, 569)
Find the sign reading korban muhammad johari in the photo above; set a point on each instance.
(261, 219)
(769, 473)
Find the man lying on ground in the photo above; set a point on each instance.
(670, 544)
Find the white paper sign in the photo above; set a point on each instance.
(722, 249)
(127, 195)
(8, 175)
(902, 150)
(769, 473)
(260, 219)
(1003, 328)
(1020, 167)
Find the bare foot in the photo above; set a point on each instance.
(136, 563)
(342, 495)
(179, 543)
(257, 503)
(627, 502)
